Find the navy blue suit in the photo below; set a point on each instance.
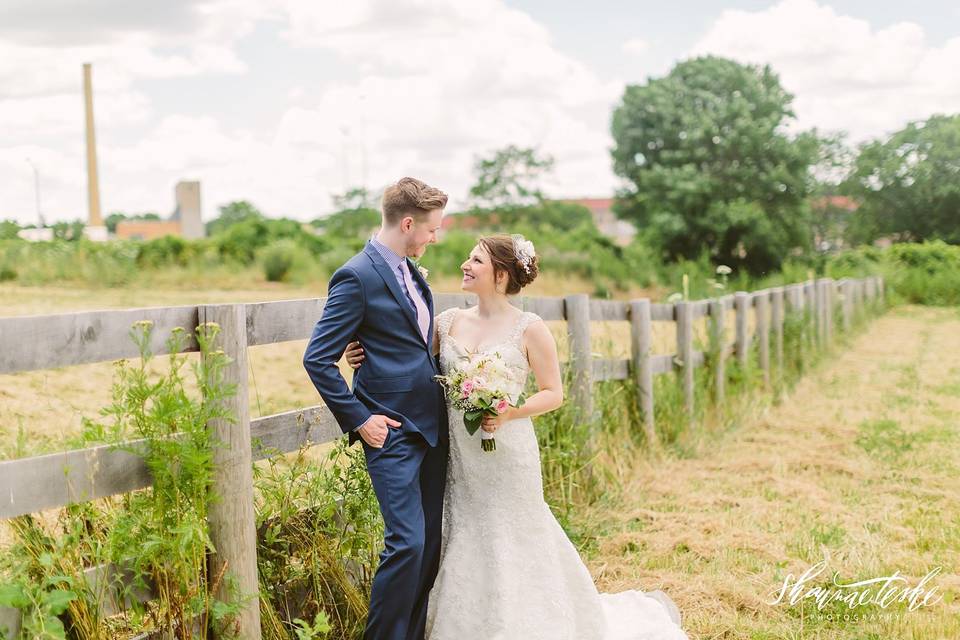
(365, 302)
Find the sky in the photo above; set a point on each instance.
(288, 102)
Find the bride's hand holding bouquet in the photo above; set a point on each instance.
(479, 387)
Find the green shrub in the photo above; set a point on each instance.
(920, 273)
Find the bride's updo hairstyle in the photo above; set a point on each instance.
(513, 254)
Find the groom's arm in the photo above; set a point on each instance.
(338, 324)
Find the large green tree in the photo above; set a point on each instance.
(233, 213)
(909, 185)
(710, 165)
(510, 177)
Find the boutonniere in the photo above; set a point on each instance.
(423, 270)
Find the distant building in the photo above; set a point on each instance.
(147, 229)
(621, 231)
(184, 221)
(42, 234)
(188, 209)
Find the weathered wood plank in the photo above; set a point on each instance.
(611, 370)
(608, 310)
(230, 511)
(640, 349)
(577, 311)
(290, 430)
(718, 332)
(685, 353)
(29, 343)
(662, 312)
(762, 312)
(661, 364)
(282, 320)
(742, 305)
(56, 479)
(9, 622)
(777, 319)
(546, 308)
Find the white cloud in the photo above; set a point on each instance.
(635, 46)
(845, 74)
(436, 83)
(447, 81)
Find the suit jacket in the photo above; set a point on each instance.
(365, 302)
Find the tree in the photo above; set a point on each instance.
(710, 166)
(909, 185)
(72, 231)
(9, 230)
(231, 214)
(510, 178)
(110, 222)
(355, 198)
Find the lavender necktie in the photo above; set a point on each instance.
(423, 313)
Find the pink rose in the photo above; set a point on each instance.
(502, 406)
(466, 387)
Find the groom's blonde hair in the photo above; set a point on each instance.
(410, 197)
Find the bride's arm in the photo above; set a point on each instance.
(545, 363)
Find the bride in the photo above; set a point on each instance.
(507, 569)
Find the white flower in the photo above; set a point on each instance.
(524, 251)
(724, 270)
(423, 271)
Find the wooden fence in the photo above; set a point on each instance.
(31, 485)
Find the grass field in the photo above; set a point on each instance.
(858, 466)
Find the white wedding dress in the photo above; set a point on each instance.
(507, 569)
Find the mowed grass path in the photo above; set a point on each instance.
(857, 465)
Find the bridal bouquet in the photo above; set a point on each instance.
(480, 387)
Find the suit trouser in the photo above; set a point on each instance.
(408, 477)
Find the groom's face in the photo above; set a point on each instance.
(421, 233)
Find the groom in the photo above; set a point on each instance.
(396, 408)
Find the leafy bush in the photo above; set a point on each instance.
(921, 273)
(281, 257)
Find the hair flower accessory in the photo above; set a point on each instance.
(524, 251)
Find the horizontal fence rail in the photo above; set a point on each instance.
(29, 343)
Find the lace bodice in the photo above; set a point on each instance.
(509, 348)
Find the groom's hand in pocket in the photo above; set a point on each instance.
(354, 354)
(374, 430)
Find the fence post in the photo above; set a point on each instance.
(830, 293)
(741, 303)
(821, 306)
(844, 286)
(684, 315)
(778, 328)
(641, 345)
(763, 333)
(718, 319)
(577, 312)
(231, 513)
(810, 303)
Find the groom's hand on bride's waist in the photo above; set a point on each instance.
(374, 430)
